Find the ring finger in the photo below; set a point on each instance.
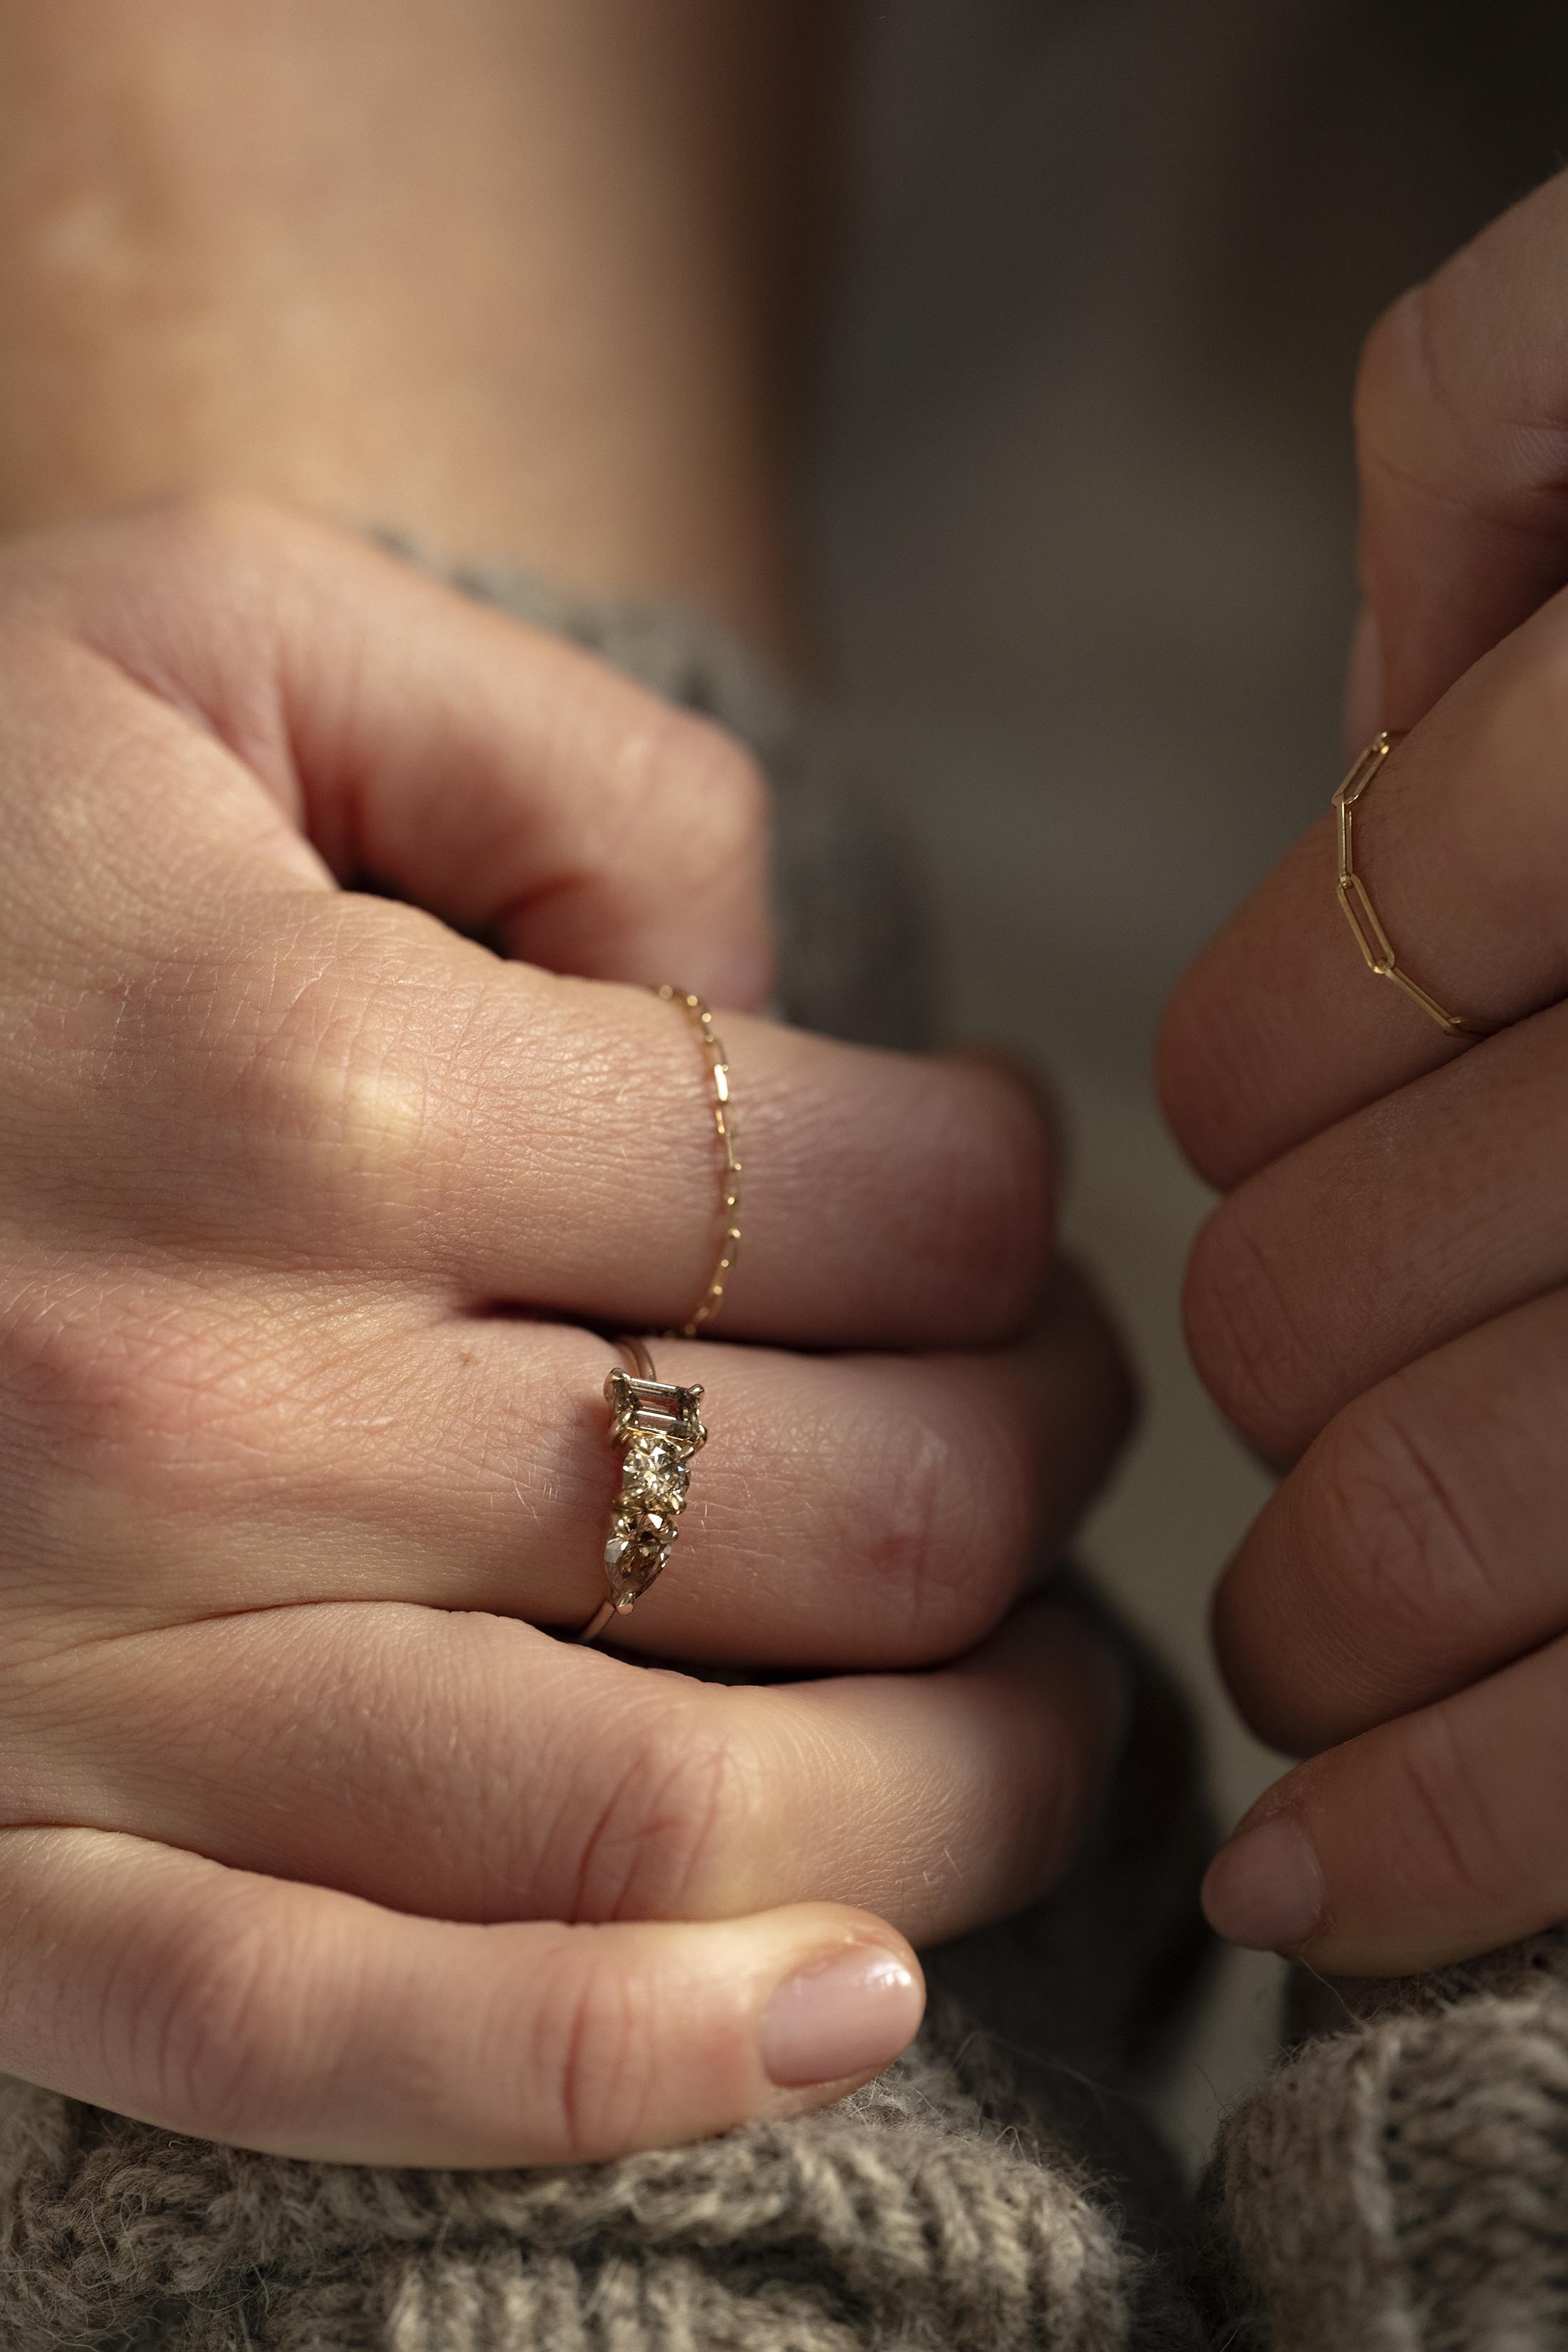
(847, 1511)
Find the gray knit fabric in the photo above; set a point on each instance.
(896, 2220)
(1401, 2183)
(995, 2192)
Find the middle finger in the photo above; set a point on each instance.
(354, 1089)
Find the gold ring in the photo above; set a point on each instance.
(1360, 913)
(656, 1426)
(711, 1046)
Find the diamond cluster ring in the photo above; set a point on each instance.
(655, 1423)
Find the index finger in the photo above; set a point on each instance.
(503, 780)
(1423, 1841)
(1279, 1029)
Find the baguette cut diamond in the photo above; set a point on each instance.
(657, 1427)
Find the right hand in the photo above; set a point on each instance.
(1383, 1298)
(305, 1200)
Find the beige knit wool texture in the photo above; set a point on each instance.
(892, 2220)
(1401, 2184)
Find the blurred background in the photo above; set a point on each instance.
(1086, 510)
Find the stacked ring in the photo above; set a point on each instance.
(655, 1421)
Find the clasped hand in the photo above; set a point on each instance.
(314, 1207)
(1382, 1299)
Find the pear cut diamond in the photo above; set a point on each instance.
(654, 1478)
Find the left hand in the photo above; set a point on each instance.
(1383, 1298)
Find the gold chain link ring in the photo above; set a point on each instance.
(1361, 914)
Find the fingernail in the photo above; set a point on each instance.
(850, 2012)
(1265, 1889)
(1363, 681)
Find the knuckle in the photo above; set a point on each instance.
(207, 2035)
(331, 1063)
(935, 1518)
(1391, 372)
(1183, 1052)
(1398, 1567)
(1243, 1333)
(204, 523)
(1522, 727)
(1449, 1822)
(195, 538)
(674, 1817)
(594, 2050)
(119, 1392)
(712, 771)
(693, 769)
(988, 1202)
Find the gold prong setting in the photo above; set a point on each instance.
(656, 1424)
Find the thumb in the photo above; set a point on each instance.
(304, 2022)
(1461, 419)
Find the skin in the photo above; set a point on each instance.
(313, 1209)
(306, 1202)
(1382, 1298)
(527, 280)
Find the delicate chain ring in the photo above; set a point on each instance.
(1360, 913)
(711, 1044)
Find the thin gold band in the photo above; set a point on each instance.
(597, 1623)
(1360, 913)
(711, 1044)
